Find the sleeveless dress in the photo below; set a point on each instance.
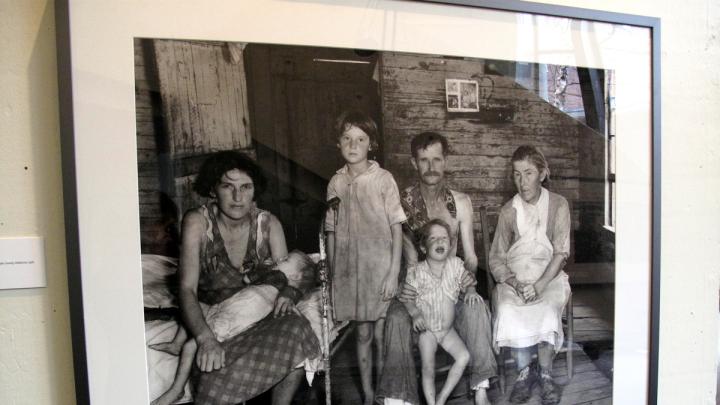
(260, 357)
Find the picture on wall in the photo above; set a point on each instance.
(505, 212)
(462, 95)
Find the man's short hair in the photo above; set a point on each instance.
(425, 140)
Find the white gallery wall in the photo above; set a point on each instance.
(35, 344)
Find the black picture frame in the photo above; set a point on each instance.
(63, 11)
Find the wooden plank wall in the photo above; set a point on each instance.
(146, 111)
(191, 100)
(204, 97)
(481, 143)
(412, 101)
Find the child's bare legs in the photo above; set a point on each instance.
(174, 346)
(364, 348)
(428, 346)
(187, 356)
(456, 348)
(379, 344)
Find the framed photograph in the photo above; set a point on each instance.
(462, 95)
(202, 144)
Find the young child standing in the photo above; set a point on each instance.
(438, 282)
(364, 240)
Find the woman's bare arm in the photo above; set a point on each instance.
(211, 355)
(278, 246)
(285, 302)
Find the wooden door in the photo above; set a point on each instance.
(296, 94)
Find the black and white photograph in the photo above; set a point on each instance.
(462, 95)
(351, 226)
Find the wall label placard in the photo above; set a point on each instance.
(22, 262)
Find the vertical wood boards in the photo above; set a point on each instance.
(204, 97)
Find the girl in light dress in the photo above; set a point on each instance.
(364, 240)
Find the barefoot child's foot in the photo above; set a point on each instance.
(168, 347)
(481, 397)
(168, 397)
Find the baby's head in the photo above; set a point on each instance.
(435, 240)
(299, 270)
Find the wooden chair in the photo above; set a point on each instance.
(488, 222)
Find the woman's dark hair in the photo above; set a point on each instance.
(355, 118)
(424, 232)
(534, 156)
(219, 163)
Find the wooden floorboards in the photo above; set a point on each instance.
(588, 385)
(593, 309)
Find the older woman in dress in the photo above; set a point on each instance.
(224, 244)
(531, 245)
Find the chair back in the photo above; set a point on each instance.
(488, 223)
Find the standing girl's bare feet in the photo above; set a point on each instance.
(481, 397)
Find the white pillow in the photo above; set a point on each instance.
(158, 273)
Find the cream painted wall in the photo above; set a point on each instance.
(35, 347)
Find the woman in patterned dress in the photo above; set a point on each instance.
(224, 246)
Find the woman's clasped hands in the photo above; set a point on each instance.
(529, 292)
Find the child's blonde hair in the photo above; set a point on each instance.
(424, 234)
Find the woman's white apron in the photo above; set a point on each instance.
(518, 324)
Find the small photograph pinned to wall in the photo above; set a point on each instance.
(461, 95)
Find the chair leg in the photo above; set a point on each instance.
(571, 328)
(500, 360)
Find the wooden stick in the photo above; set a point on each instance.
(324, 279)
